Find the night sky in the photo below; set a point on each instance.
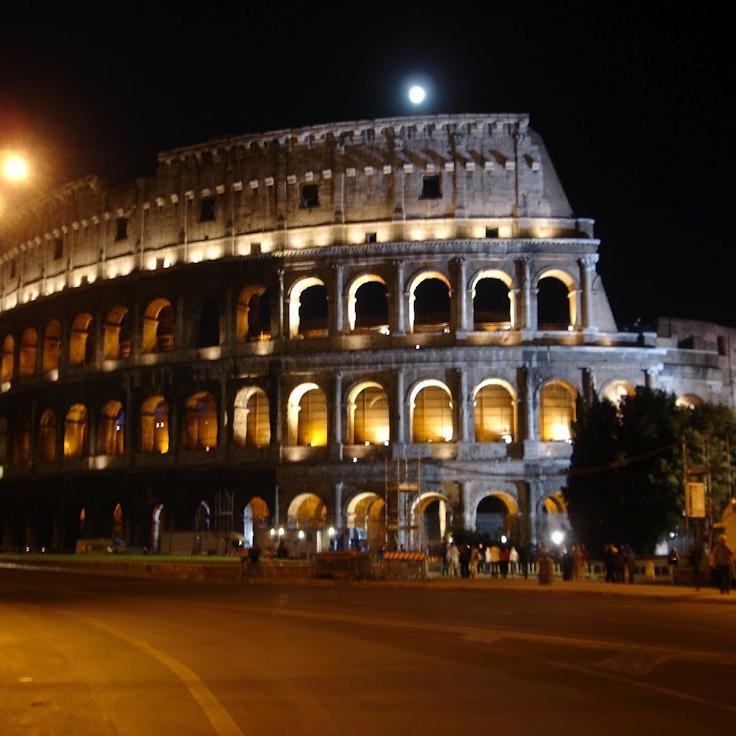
(634, 102)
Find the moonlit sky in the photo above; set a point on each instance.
(635, 103)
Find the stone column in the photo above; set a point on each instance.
(336, 301)
(179, 324)
(278, 327)
(336, 435)
(338, 518)
(587, 265)
(275, 404)
(588, 386)
(526, 305)
(398, 425)
(397, 301)
(650, 377)
(464, 432)
(530, 409)
(460, 294)
(130, 433)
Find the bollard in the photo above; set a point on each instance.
(649, 571)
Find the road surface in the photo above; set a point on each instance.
(94, 656)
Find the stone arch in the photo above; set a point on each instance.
(251, 421)
(75, 431)
(82, 340)
(307, 416)
(359, 317)
(202, 517)
(497, 513)
(556, 300)
(8, 359)
(302, 324)
(154, 426)
(431, 412)
(689, 401)
(51, 356)
(200, 422)
(307, 511)
(255, 521)
(616, 390)
(28, 354)
(368, 414)
(251, 320)
(553, 516)
(158, 327)
(111, 429)
(46, 443)
(494, 301)
(557, 411)
(116, 334)
(494, 411)
(118, 525)
(431, 520)
(421, 317)
(366, 521)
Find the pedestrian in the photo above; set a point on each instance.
(453, 560)
(629, 562)
(524, 560)
(474, 560)
(495, 559)
(696, 562)
(465, 561)
(567, 564)
(672, 561)
(487, 556)
(545, 566)
(514, 560)
(609, 561)
(723, 564)
(445, 565)
(503, 562)
(577, 557)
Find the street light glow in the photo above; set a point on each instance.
(15, 168)
(417, 94)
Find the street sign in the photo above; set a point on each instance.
(695, 500)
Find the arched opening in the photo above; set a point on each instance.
(368, 414)
(308, 308)
(116, 338)
(82, 340)
(253, 316)
(617, 391)
(51, 346)
(118, 527)
(21, 441)
(307, 511)
(429, 303)
(431, 521)
(28, 357)
(154, 426)
(200, 422)
(430, 403)
(157, 522)
(202, 517)
(497, 514)
(556, 307)
(493, 302)
(158, 327)
(307, 416)
(255, 520)
(251, 424)
(111, 430)
(8, 361)
(208, 332)
(558, 411)
(554, 517)
(368, 304)
(689, 401)
(47, 436)
(366, 522)
(75, 431)
(494, 408)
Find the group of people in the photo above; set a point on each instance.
(722, 562)
(469, 561)
(620, 563)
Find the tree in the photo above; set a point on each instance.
(625, 481)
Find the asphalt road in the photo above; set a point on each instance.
(84, 655)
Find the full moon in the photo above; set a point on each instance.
(417, 94)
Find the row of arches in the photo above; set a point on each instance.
(429, 305)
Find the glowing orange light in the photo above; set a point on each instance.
(15, 168)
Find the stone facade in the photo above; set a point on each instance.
(197, 350)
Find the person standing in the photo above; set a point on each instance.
(514, 560)
(630, 562)
(503, 562)
(488, 559)
(723, 563)
(672, 560)
(453, 561)
(474, 560)
(495, 559)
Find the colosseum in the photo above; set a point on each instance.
(353, 334)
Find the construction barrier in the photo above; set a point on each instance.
(402, 566)
(351, 565)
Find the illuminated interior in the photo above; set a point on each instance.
(496, 514)
(689, 401)
(431, 413)
(558, 411)
(111, 430)
(28, 356)
(494, 304)
(255, 517)
(75, 431)
(250, 323)
(300, 323)
(307, 416)
(368, 414)
(116, 336)
(431, 520)
(429, 302)
(366, 521)
(47, 436)
(154, 426)
(307, 511)
(494, 407)
(8, 359)
(158, 327)
(81, 340)
(51, 346)
(200, 422)
(616, 391)
(365, 310)
(118, 529)
(251, 424)
(556, 301)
